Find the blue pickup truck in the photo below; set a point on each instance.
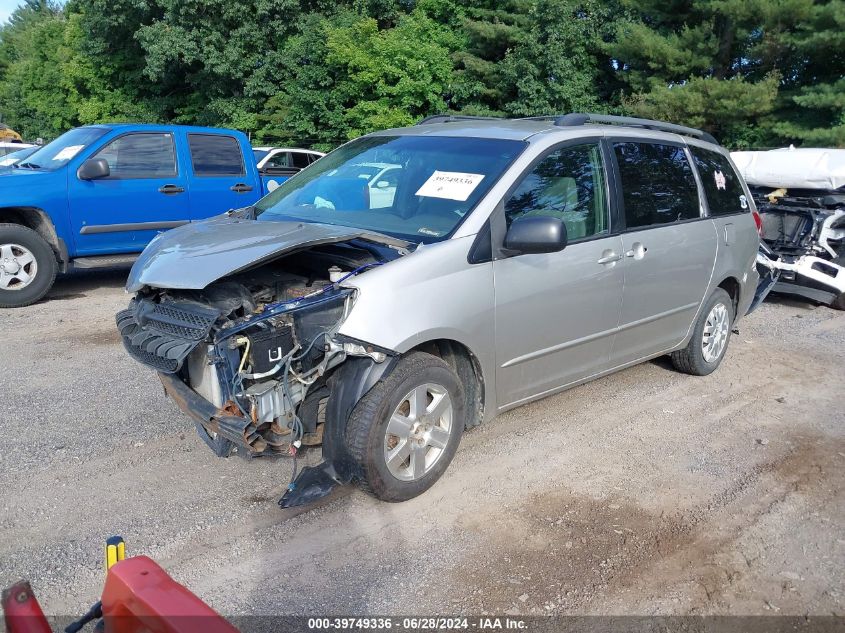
(98, 194)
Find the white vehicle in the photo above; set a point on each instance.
(285, 157)
(9, 147)
(800, 193)
(381, 180)
(277, 164)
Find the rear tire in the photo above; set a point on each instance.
(27, 266)
(404, 432)
(710, 337)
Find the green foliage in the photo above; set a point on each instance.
(756, 73)
(344, 76)
(753, 72)
(558, 66)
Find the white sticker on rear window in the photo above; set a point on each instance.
(68, 152)
(450, 185)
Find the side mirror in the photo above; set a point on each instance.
(382, 184)
(536, 234)
(93, 169)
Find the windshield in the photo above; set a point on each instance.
(59, 152)
(259, 154)
(430, 184)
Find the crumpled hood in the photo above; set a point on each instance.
(195, 255)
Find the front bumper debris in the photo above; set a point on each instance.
(161, 335)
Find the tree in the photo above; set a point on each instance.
(32, 48)
(559, 66)
(752, 72)
(346, 77)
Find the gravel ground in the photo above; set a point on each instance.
(646, 492)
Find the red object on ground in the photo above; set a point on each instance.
(22, 612)
(139, 596)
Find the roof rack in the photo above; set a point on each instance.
(575, 119)
(449, 118)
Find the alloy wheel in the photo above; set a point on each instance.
(418, 432)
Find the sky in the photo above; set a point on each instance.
(6, 8)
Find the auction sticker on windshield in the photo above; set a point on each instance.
(450, 185)
(68, 152)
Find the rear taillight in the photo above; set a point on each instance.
(758, 221)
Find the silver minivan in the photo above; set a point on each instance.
(504, 261)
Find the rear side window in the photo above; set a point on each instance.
(215, 155)
(140, 156)
(722, 187)
(658, 186)
(567, 184)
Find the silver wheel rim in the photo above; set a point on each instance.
(17, 267)
(716, 329)
(418, 432)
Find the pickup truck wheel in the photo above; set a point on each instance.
(404, 432)
(710, 337)
(27, 266)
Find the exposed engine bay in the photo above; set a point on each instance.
(258, 346)
(804, 236)
(800, 195)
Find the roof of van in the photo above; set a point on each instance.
(522, 129)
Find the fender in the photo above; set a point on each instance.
(351, 382)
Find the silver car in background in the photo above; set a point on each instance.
(513, 259)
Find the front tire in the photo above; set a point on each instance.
(710, 337)
(27, 266)
(404, 432)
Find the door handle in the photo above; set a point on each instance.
(241, 188)
(171, 189)
(637, 252)
(609, 258)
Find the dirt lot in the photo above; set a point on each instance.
(647, 492)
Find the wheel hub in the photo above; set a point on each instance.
(17, 267)
(10, 267)
(716, 330)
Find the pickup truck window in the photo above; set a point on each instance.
(215, 155)
(57, 153)
(140, 156)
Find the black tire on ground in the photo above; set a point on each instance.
(366, 432)
(45, 266)
(690, 360)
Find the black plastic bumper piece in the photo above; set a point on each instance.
(203, 412)
(314, 482)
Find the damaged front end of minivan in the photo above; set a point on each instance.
(241, 322)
